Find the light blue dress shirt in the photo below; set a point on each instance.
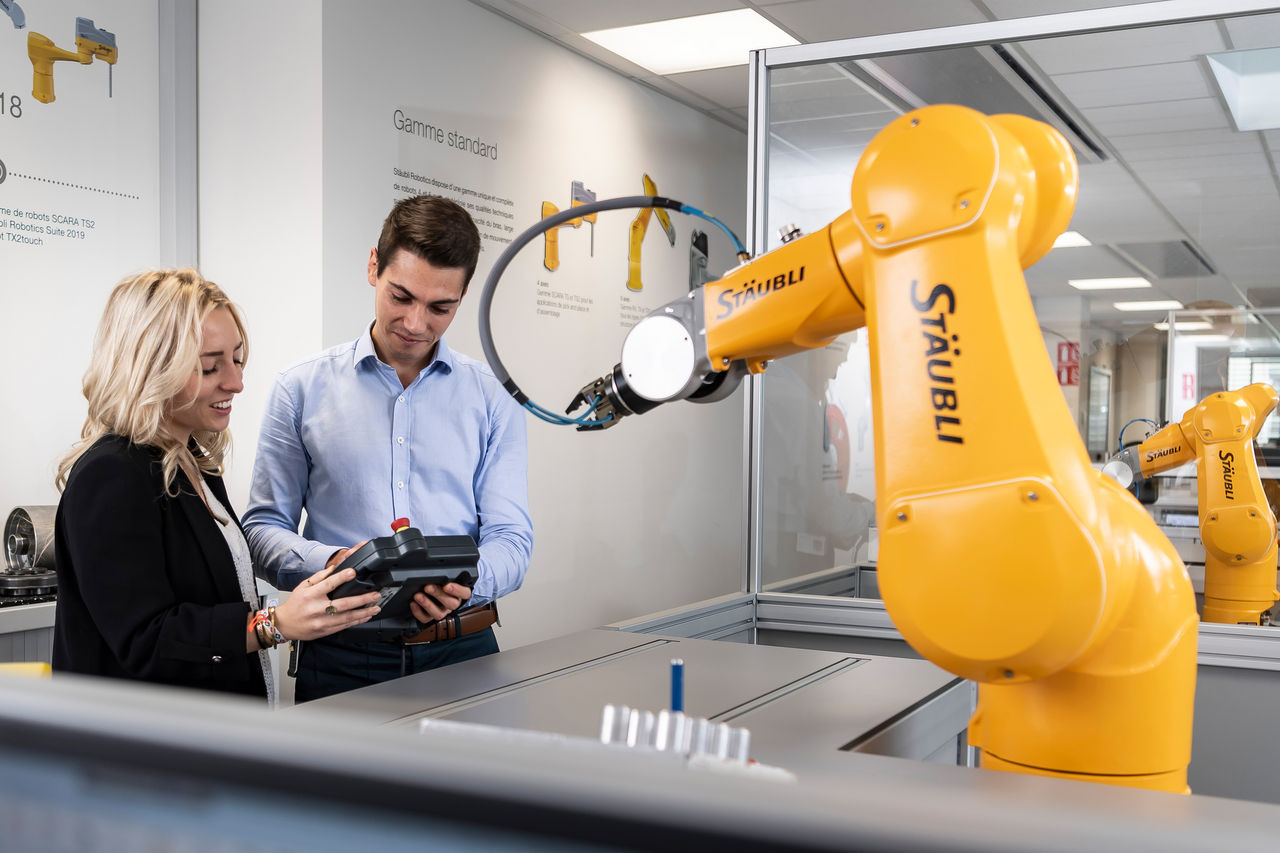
(342, 439)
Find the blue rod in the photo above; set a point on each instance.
(677, 685)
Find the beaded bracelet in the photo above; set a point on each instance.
(264, 628)
(271, 623)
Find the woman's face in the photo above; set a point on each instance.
(204, 403)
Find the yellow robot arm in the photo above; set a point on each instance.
(550, 240)
(1237, 525)
(43, 53)
(1004, 556)
(91, 41)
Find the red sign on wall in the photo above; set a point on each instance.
(1069, 363)
(1188, 386)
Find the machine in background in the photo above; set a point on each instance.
(1237, 525)
(28, 576)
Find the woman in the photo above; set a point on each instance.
(154, 577)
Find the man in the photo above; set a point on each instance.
(395, 424)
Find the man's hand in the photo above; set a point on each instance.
(435, 602)
(336, 560)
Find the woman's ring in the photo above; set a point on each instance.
(331, 611)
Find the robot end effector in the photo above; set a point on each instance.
(660, 363)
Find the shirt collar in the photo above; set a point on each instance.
(366, 354)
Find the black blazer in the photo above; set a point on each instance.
(147, 588)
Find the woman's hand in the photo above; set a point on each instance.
(308, 612)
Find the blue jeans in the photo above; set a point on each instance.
(330, 666)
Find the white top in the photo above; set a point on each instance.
(244, 573)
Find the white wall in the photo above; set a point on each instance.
(260, 181)
(297, 148)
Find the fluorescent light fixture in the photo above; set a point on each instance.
(1186, 326)
(718, 40)
(1108, 283)
(1207, 339)
(1070, 240)
(1151, 305)
(1250, 85)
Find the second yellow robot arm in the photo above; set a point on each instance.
(1237, 526)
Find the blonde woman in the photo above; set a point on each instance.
(154, 577)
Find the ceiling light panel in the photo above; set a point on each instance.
(1071, 240)
(696, 43)
(1150, 305)
(1128, 283)
(1250, 85)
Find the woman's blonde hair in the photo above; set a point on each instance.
(147, 347)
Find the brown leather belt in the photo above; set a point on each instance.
(455, 625)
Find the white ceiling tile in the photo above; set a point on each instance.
(1085, 262)
(1246, 165)
(1136, 85)
(1254, 31)
(1237, 229)
(582, 16)
(1262, 205)
(1004, 9)
(1124, 48)
(724, 86)
(1186, 186)
(522, 14)
(803, 74)
(827, 20)
(1162, 117)
(1250, 260)
(1143, 141)
(1171, 150)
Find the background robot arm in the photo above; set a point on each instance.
(1237, 525)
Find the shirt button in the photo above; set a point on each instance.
(401, 398)
(400, 485)
(400, 439)
(217, 658)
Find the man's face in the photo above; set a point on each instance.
(414, 304)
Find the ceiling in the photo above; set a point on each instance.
(1176, 180)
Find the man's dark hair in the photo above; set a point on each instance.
(435, 229)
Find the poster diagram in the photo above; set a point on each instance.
(578, 196)
(91, 41)
(639, 226)
(79, 200)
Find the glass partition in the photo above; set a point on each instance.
(1178, 209)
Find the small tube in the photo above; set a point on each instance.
(677, 685)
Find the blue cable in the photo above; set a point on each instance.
(563, 420)
(1120, 437)
(693, 211)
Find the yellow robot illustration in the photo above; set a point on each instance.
(578, 196)
(639, 226)
(1005, 557)
(1237, 526)
(90, 42)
